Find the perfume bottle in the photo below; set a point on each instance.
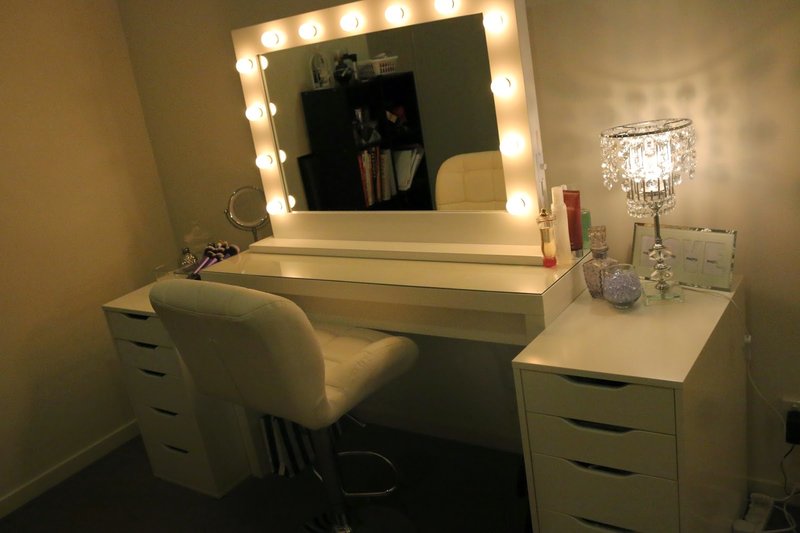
(592, 269)
(187, 259)
(546, 228)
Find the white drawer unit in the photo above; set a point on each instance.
(635, 421)
(190, 439)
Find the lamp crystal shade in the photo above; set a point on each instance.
(648, 159)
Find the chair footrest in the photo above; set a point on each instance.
(370, 494)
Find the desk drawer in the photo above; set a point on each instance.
(625, 500)
(607, 402)
(157, 389)
(149, 356)
(633, 450)
(186, 466)
(138, 327)
(170, 427)
(553, 522)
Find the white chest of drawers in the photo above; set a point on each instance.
(191, 440)
(635, 420)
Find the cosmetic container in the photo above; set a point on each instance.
(546, 225)
(559, 211)
(572, 199)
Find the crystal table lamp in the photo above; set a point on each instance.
(648, 159)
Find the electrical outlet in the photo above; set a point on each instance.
(790, 403)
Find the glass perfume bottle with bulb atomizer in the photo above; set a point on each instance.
(546, 222)
(592, 269)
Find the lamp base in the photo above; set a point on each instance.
(653, 296)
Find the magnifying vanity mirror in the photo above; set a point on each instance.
(460, 81)
(247, 210)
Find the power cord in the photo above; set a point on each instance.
(783, 504)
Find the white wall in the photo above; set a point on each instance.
(83, 221)
(732, 66)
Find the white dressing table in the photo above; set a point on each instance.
(508, 304)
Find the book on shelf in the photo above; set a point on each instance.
(406, 163)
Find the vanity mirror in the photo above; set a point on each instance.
(516, 123)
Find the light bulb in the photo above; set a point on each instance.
(271, 39)
(518, 204)
(395, 14)
(273, 109)
(264, 62)
(265, 161)
(494, 21)
(282, 156)
(276, 207)
(255, 112)
(292, 201)
(511, 144)
(350, 22)
(308, 30)
(445, 7)
(502, 86)
(245, 65)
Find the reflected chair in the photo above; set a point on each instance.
(260, 351)
(472, 181)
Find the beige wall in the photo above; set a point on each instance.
(733, 66)
(83, 221)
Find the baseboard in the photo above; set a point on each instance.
(58, 473)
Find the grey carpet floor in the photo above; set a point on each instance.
(445, 487)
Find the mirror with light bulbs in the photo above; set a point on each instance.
(513, 95)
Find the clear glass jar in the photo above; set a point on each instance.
(592, 269)
(621, 285)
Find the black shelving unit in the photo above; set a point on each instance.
(331, 174)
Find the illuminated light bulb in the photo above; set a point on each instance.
(350, 22)
(255, 112)
(245, 65)
(511, 144)
(494, 21)
(502, 86)
(282, 156)
(276, 207)
(292, 201)
(445, 7)
(271, 39)
(273, 109)
(308, 31)
(395, 14)
(265, 161)
(518, 204)
(264, 62)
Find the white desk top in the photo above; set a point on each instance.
(516, 279)
(653, 345)
(137, 301)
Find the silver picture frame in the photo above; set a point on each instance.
(703, 257)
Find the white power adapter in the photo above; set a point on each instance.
(757, 516)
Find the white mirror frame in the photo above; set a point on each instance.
(517, 118)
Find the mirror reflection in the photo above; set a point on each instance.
(372, 122)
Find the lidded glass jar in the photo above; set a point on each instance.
(592, 269)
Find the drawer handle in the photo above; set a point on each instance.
(604, 469)
(597, 425)
(600, 525)
(134, 316)
(145, 345)
(607, 383)
(153, 373)
(163, 411)
(175, 449)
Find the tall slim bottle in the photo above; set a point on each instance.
(559, 210)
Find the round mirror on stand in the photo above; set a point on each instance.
(247, 209)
